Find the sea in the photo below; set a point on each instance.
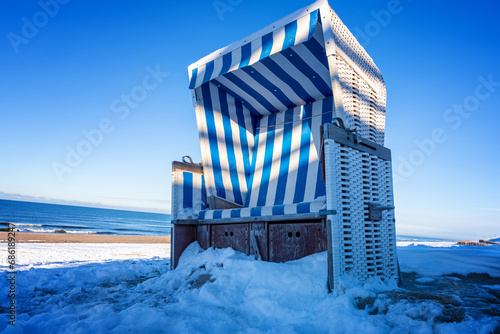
(54, 218)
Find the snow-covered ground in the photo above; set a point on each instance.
(47, 255)
(79, 288)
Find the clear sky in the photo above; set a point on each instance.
(116, 72)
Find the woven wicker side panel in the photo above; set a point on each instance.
(350, 47)
(364, 107)
(362, 84)
(367, 248)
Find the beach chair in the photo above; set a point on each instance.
(291, 121)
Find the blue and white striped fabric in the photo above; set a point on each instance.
(286, 167)
(281, 70)
(259, 110)
(190, 191)
(294, 33)
(227, 139)
(275, 210)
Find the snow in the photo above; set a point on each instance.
(440, 260)
(425, 280)
(117, 288)
(47, 255)
(427, 243)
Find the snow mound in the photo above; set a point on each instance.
(224, 291)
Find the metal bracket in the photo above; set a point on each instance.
(375, 210)
(327, 212)
(340, 123)
(353, 140)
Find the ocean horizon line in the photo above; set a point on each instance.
(87, 205)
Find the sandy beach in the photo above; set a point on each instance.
(84, 238)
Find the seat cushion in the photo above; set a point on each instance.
(262, 211)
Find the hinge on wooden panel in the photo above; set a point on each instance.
(255, 245)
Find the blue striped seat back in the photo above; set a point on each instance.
(272, 160)
(226, 129)
(285, 164)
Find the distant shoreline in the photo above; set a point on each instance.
(33, 237)
(91, 205)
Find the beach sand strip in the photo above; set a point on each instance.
(84, 238)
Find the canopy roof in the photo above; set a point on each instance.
(280, 67)
(285, 64)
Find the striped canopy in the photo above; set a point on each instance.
(260, 104)
(282, 69)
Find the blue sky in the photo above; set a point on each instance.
(66, 77)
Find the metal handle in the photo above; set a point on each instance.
(187, 156)
(375, 210)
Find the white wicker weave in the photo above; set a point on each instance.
(361, 247)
